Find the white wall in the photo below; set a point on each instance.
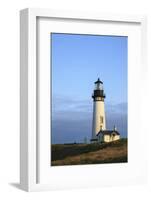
(108, 138)
(9, 99)
(98, 111)
(117, 137)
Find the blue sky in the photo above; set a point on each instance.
(76, 63)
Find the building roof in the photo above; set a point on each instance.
(98, 81)
(108, 132)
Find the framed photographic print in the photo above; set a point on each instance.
(82, 78)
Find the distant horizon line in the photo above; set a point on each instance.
(82, 142)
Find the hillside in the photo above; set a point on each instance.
(75, 154)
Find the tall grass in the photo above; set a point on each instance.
(62, 151)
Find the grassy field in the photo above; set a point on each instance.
(77, 154)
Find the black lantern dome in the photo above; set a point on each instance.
(98, 94)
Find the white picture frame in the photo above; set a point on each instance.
(33, 171)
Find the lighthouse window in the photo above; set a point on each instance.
(101, 119)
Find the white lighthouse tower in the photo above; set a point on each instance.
(99, 122)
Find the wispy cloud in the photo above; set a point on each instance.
(62, 103)
(116, 108)
(72, 118)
